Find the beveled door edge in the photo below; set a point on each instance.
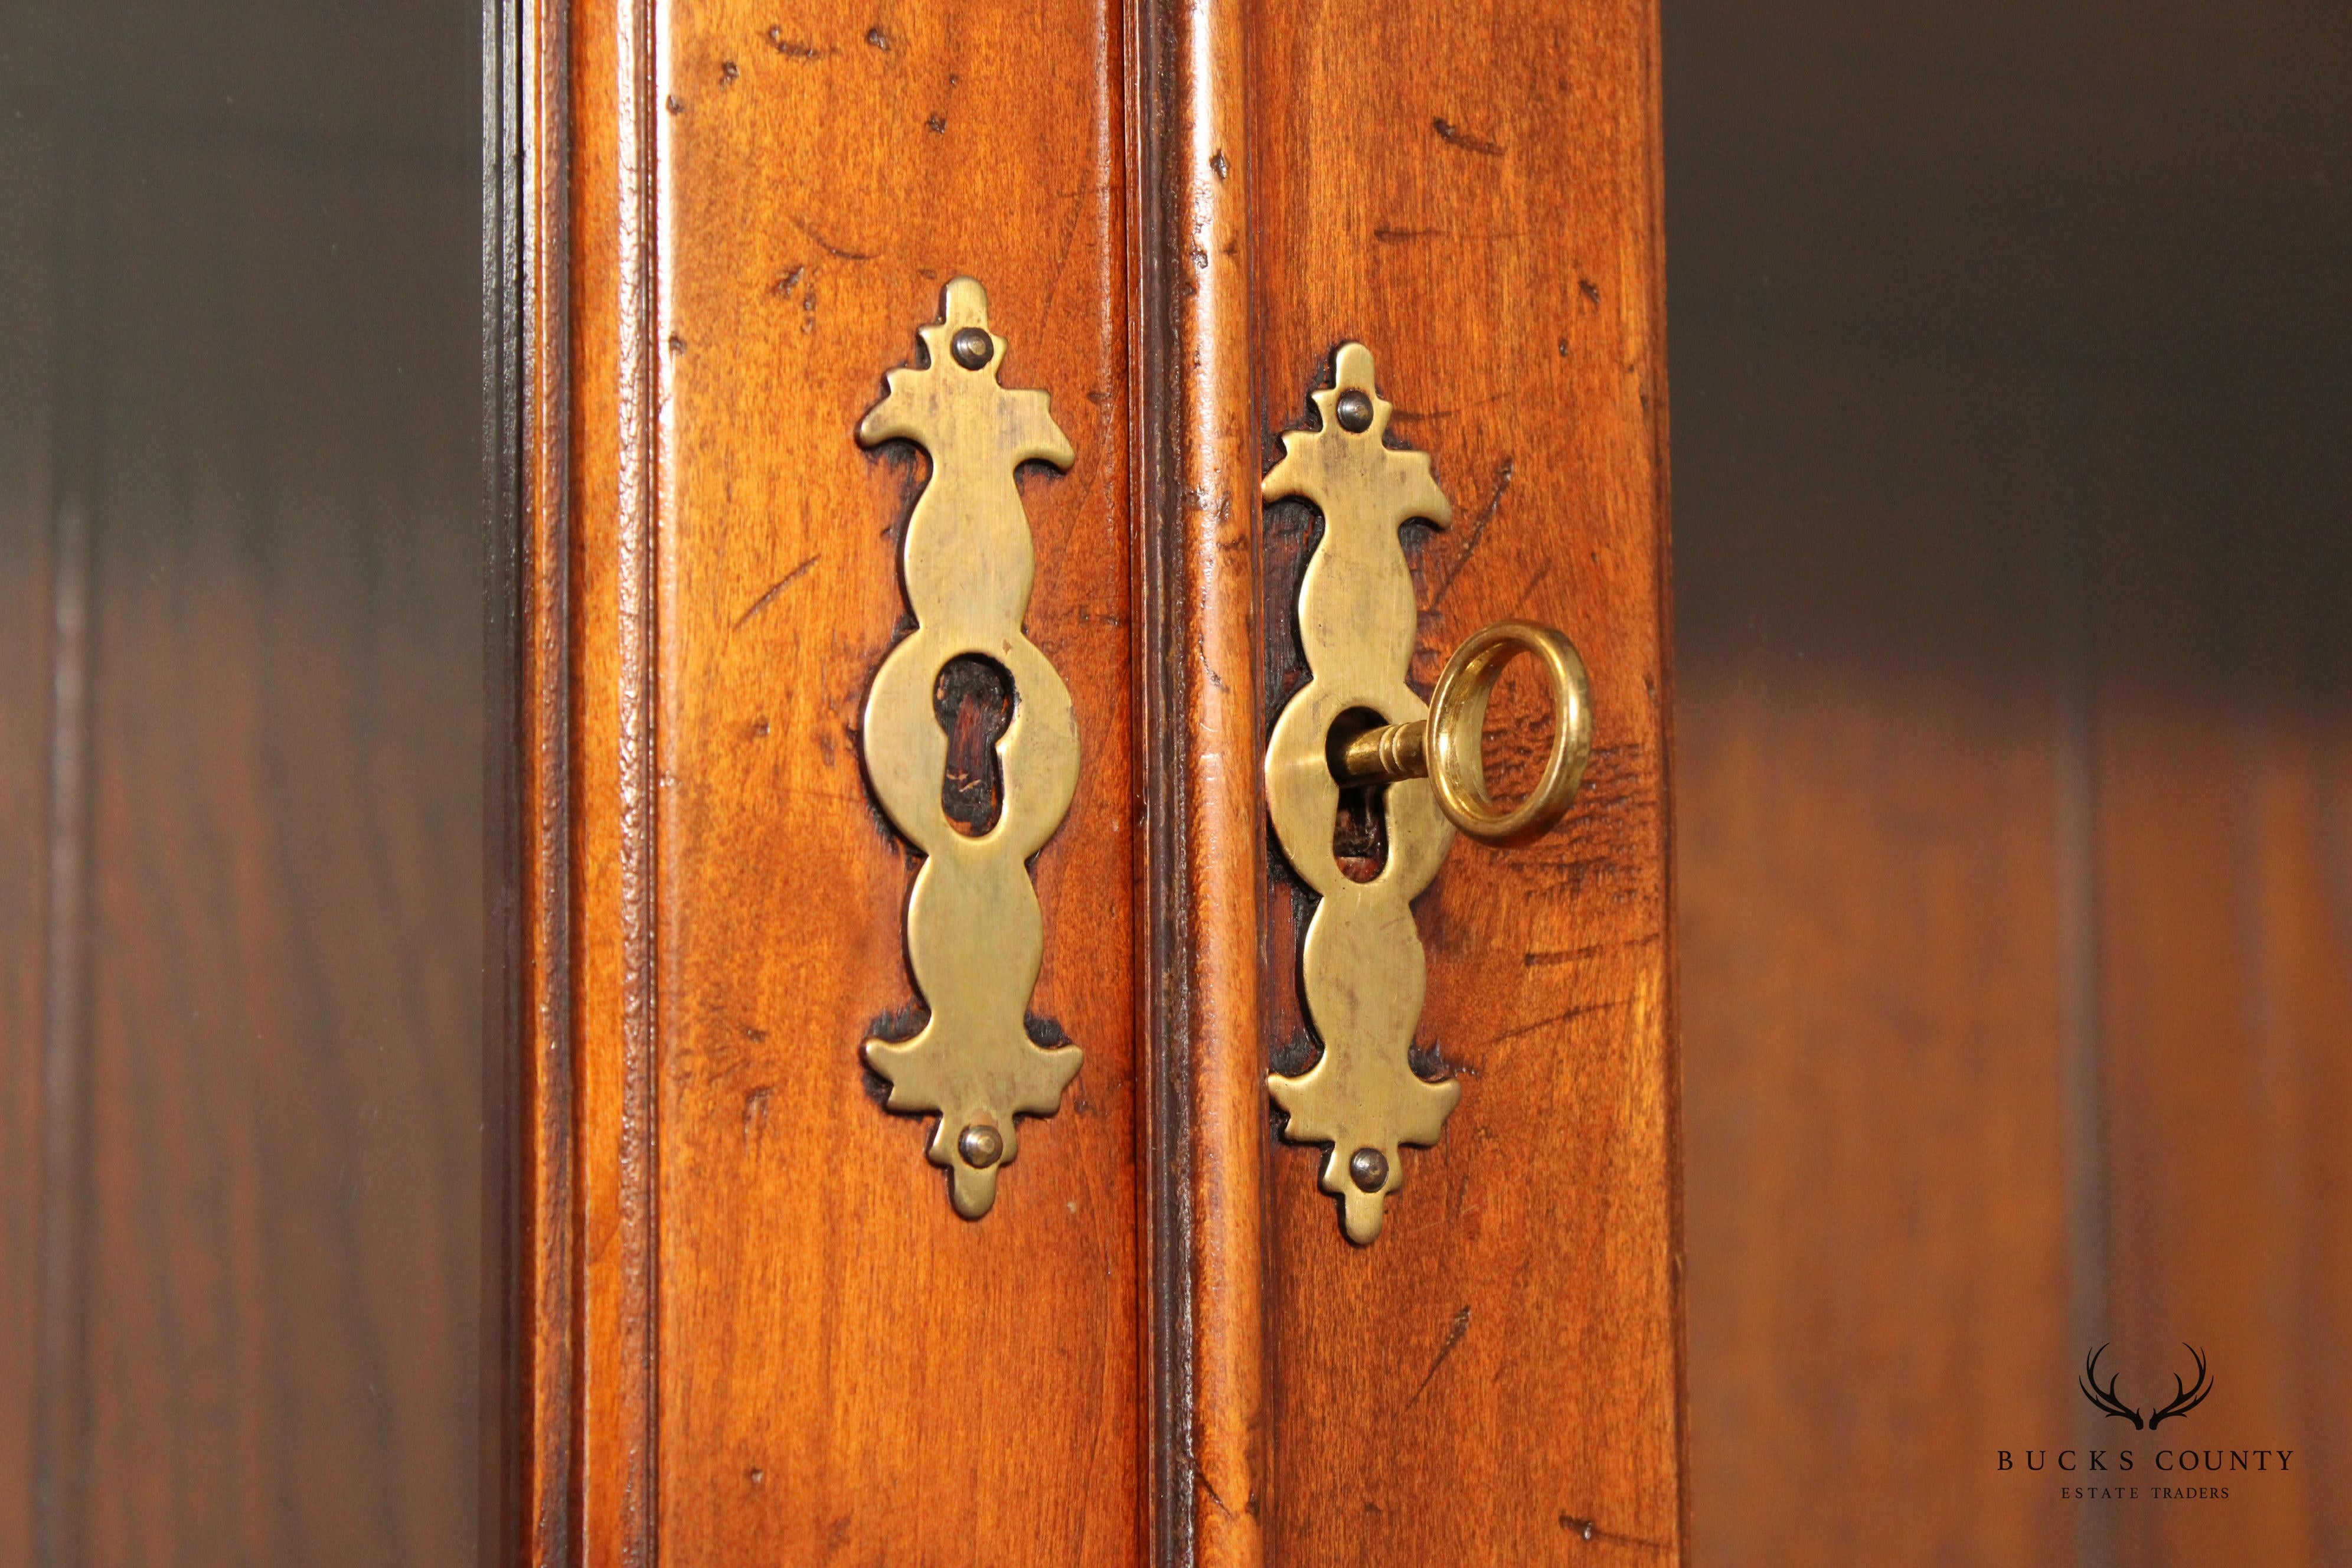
(527, 1417)
(1196, 626)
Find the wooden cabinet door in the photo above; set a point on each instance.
(744, 1322)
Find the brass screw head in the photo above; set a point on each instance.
(1355, 412)
(972, 348)
(1369, 1168)
(981, 1145)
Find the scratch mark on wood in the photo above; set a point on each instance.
(1201, 1482)
(764, 600)
(1453, 1337)
(1388, 235)
(1545, 1023)
(1585, 1529)
(1455, 135)
(1527, 588)
(1544, 958)
(1503, 473)
(838, 252)
(1062, 255)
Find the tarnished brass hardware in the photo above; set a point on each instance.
(974, 934)
(1361, 964)
(1457, 717)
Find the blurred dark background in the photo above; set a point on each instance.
(241, 676)
(2011, 358)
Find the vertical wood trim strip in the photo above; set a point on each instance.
(1200, 723)
(531, 1498)
(1161, 995)
(1660, 404)
(554, 1493)
(1217, 514)
(615, 76)
(637, 82)
(649, 753)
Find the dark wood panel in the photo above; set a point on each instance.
(285, 836)
(1498, 1378)
(28, 164)
(1995, 468)
(833, 1362)
(2223, 772)
(2089, 639)
(402, 74)
(1875, 1002)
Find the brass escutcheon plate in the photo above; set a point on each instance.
(1362, 967)
(975, 936)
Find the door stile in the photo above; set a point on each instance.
(1199, 739)
(1498, 1376)
(615, 517)
(689, 718)
(531, 1253)
(1164, 1152)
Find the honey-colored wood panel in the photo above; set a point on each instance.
(284, 846)
(2226, 963)
(793, 1344)
(1877, 1196)
(1497, 1377)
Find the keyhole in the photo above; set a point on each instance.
(973, 702)
(1360, 829)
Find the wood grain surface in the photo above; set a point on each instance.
(788, 1336)
(1198, 508)
(1498, 1378)
(783, 1332)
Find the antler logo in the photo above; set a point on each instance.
(2185, 1397)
